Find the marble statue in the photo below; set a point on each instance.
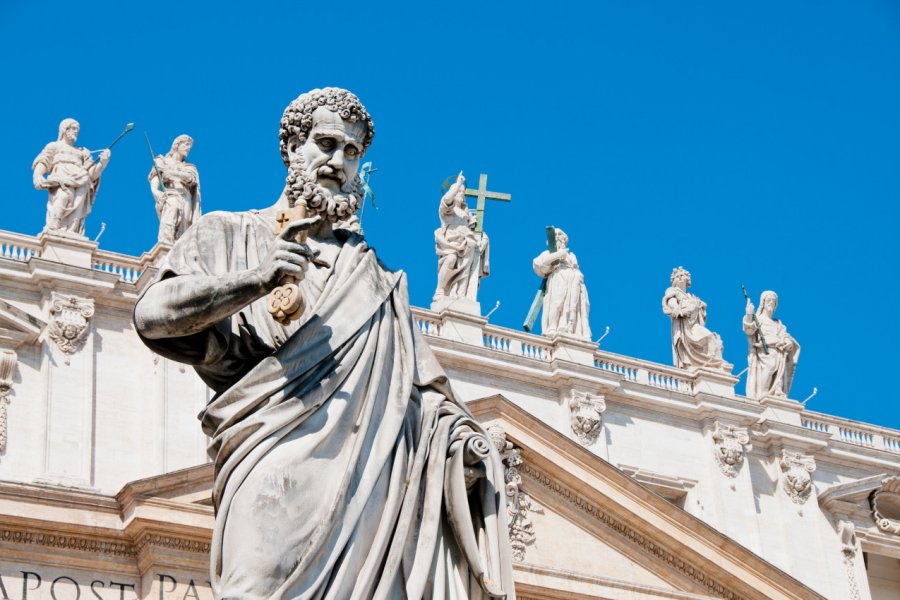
(456, 243)
(566, 305)
(769, 374)
(178, 198)
(693, 345)
(71, 178)
(344, 466)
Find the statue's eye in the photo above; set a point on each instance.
(351, 151)
(326, 143)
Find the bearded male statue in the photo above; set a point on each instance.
(71, 178)
(770, 369)
(175, 184)
(344, 467)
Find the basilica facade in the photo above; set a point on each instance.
(623, 478)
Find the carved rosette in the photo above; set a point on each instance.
(730, 442)
(518, 502)
(885, 502)
(586, 416)
(7, 368)
(797, 478)
(69, 321)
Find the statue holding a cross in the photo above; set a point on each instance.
(461, 245)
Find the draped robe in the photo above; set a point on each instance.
(566, 307)
(344, 466)
(693, 345)
(772, 373)
(69, 202)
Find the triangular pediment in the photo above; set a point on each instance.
(17, 326)
(599, 530)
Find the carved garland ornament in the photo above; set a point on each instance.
(69, 320)
(729, 447)
(885, 502)
(797, 480)
(7, 368)
(586, 416)
(847, 531)
(518, 502)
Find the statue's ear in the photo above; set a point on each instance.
(293, 146)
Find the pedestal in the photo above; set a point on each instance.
(713, 381)
(70, 249)
(573, 349)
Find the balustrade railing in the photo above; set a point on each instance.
(639, 371)
(126, 268)
(853, 432)
(14, 246)
(517, 343)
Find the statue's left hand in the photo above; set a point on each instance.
(104, 156)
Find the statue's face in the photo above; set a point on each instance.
(71, 134)
(184, 148)
(682, 281)
(769, 305)
(332, 150)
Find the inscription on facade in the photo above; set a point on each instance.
(23, 583)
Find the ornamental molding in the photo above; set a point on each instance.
(69, 322)
(638, 540)
(730, 444)
(8, 360)
(885, 503)
(586, 416)
(518, 503)
(797, 477)
(847, 533)
(92, 544)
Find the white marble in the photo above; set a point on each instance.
(71, 177)
(771, 368)
(693, 345)
(566, 306)
(175, 184)
(340, 449)
(458, 246)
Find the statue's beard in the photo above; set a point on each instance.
(334, 206)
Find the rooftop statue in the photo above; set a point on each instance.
(175, 184)
(773, 352)
(566, 307)
(458, 246)
(693, 345)
(71, 178)
(344, 467)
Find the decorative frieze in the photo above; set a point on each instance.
(586, 416)
(518, 503)
(797, 478)
(730, 442)
(69, 321)
(7, 368)
(885, 502)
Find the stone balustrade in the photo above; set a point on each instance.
(15, 246)
(853, 432)
(127, 268)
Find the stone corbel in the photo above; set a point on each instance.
(797, 475)
(518, 503)
(586, 416)
(730, 442)
(69, 322)
(8, 361)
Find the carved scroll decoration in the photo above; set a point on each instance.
(7, 368)
(797, 480)
(729, 447)
(885, 502)
(847, 531)
(518, 502)
(69, 320)
(586, 416)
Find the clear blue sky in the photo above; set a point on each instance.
(750, 142)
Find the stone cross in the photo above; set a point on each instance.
(483, 194)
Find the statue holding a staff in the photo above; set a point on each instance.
(773, 353)
(71, 177)
(177, 195)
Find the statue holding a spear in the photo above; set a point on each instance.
(71, 177)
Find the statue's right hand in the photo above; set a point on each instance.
(287, 259)
(750, 308)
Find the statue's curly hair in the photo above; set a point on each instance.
(679, 271)
(297, 118)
